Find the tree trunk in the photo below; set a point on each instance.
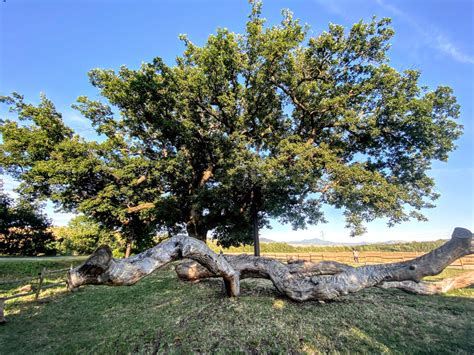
(192, 270)
(2, 314)
(130, 234)
(256, 239)
(195, 230)
(256, 199)
(194, 227)
(300, 281)
(128, 248)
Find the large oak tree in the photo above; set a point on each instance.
(271, 123)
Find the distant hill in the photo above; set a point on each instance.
(317, 241)
(312, 241)
(267, 240)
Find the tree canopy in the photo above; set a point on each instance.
(273, 123)
(24, 229)
(82, 235)
(101, 180)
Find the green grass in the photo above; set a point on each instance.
(161, 313)
(15, 268)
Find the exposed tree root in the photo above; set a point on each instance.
(300, 281)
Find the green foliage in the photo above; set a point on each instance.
(24, 230)
(101, 180)
(273, 120)
(83, 235)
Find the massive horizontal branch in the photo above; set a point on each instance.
(102, 268)
(432, 288)
(298, 281)
(192, 270)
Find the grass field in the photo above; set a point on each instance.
(163, 314)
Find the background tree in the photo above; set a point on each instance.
(83, 235)
(106, 181)
(24, 230)
(272, 123)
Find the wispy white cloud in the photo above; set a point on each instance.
(333, 7)
(431, 36)
(75, 117)
(78, 122)
(393, 9)
(442, 43)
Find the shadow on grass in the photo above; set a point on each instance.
(161, 313)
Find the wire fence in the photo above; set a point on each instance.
(364, 258)
(36, 285)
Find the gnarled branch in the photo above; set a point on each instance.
(102, 268)
(432, 288)
(192, 271)
(298, 281)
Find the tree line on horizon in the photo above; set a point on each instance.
(282, 247)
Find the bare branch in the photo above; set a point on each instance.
(298, 281)
(143, 206)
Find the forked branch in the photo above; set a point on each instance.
(299, 281)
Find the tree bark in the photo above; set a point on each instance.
(128, 248)
(433, 288)
(197, 231)
(194, 227)
(300, 281)
(255, 201)
(102, 268)
(193, 271)
(256, 239)
(2, 314)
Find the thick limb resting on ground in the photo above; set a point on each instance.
(102, 268)
(300, 281)
(432, 288)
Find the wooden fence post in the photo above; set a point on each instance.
(40, 283)
(2, 314)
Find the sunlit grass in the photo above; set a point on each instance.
(164, 314)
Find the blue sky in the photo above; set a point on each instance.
(49, 46)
